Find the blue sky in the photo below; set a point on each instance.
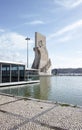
(59, 20)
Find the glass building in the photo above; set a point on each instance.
(31, 74)
(11, 72)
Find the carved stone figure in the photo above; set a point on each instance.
(41, 61)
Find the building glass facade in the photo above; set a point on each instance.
(21, 73)
(10, 72)
(14, 73)
(0, 73)
(5, 73)
(32, 74)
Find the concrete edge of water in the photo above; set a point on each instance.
(18, 83)
(62, 104)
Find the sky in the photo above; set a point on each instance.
(59, 20)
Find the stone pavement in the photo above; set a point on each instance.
(18, 113)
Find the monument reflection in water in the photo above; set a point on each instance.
(39, 91)
(45, 87)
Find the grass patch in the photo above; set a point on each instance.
(67, 105)
(64, 105)
(75, 106)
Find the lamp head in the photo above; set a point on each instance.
(27, 38)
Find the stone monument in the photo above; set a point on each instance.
(41, 61)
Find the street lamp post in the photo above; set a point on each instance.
(27, 49)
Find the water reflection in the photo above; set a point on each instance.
(66, 89)
(26, 90)
(45, 87)
(33, 91)
(39, 91)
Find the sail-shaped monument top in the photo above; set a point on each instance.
(41, 61)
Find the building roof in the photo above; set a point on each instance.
(11, 62)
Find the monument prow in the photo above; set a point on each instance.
(41, 61)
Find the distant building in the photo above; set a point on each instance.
(11, 72)
(41, 61)
(67, 71)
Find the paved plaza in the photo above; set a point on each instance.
(17, 113)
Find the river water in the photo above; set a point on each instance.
(65, 89)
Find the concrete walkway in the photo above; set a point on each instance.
(25, 114)
(18, 83)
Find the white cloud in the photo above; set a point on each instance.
(61, 61)
(78, 2)
(36, 22)
(64, 39)
(2, 30)
(25, 16)
(13, 40)
(67, 29)
(79, 52)
(69, 3)
(14, 47)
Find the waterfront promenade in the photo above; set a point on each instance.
(19, 113)
(18, 83)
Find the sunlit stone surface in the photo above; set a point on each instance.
(32, 114)
(41, 61)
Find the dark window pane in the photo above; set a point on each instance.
(14, 73)
(21, 73)
(5, 73)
